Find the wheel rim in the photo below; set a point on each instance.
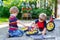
(50, 26)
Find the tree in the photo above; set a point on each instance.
(55, 8)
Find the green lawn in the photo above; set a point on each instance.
(3, 20)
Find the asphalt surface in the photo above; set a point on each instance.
(55, 33)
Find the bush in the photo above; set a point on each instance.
(36, 12)
(4, 12)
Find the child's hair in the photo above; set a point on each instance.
(14, 8)
(42, 15)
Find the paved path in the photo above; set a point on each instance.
(4, 31)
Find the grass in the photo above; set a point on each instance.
(3, 20)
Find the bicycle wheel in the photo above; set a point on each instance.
(50, 26)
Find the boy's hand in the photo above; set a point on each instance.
(44, 31)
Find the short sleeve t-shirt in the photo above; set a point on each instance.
(12, 21)
(41, 25)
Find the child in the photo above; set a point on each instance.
(41, 23)
(13, 20)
